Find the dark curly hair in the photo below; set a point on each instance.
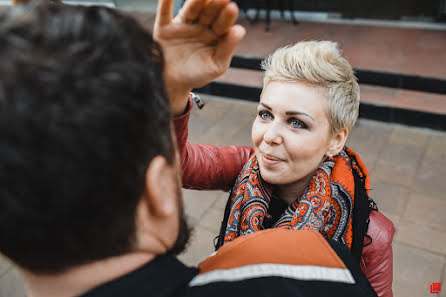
(83, 111)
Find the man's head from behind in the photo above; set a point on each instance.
(85, 138)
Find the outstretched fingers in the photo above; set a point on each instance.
(191, 10)
(211, 11)
(227, 44)
(225, 19)
(164, 13)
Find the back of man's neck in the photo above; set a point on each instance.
(81, 279)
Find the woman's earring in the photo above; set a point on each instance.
(330, 156)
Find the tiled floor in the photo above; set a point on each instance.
(407, 166)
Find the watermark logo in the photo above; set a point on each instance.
(435, 288)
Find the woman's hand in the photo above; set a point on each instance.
(198, 44)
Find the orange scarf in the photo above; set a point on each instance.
(326, 205)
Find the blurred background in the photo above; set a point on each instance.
(398, 50)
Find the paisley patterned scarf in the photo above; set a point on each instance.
(326, 206)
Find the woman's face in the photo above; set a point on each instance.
(291, 132)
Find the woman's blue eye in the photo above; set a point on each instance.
(296, 124)
(265, 115)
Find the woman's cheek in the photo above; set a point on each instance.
(256, 135)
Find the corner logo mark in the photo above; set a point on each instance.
(435, 288)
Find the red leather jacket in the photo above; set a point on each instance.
(206, 167)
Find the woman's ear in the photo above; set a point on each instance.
(337, 142)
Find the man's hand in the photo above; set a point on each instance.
(198, 44)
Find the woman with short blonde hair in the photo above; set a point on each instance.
(299, 174)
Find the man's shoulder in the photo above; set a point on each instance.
(276, 247)
(274, 262)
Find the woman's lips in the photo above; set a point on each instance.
(270, 160)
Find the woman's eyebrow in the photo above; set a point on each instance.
(290, 112)
(266, 106)
(299, 113)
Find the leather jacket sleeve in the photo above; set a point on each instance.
(377, 257)
(206, 167)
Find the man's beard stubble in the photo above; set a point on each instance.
(182, 239)
(184, 231)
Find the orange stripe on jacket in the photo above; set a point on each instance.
(279, 246)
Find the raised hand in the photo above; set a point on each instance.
(198, 44)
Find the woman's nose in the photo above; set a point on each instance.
(272, 135)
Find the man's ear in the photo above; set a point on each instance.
(158, 211)
(337, 142)
(160, 188)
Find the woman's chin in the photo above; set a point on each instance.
(277, 177)
(274, 178)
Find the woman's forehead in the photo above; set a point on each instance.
(293, 96)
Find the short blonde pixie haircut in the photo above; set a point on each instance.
(321, 64)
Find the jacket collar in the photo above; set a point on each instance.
(160, 277)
